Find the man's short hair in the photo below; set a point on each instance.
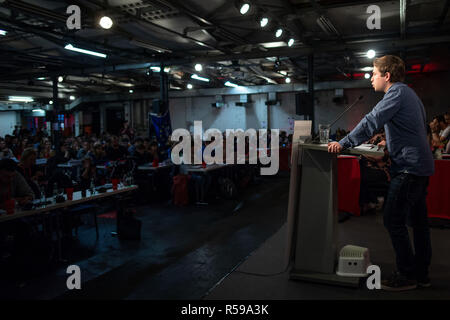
(8, 165)
(392, 64)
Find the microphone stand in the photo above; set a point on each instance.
(314, 140)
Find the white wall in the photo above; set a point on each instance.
(8, 119)
(184, 111)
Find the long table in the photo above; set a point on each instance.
(349, 179)
(77, 199)
(438, 203)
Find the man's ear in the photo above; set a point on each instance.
(388, 76)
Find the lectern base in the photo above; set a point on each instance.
(325, 278)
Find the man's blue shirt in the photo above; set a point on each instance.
(403, 116)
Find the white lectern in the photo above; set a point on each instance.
(313, 214)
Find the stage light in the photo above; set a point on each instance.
(50, 102)
(198, 67)
(243, 6)
(106, 22)
(279, 33)
(60, 79)
(367, 76)
(371, 54)
(131, 91)
(72, 98)
(291, 42)
(263, 22)
(189, 86)
(288, 80)
(3, 33)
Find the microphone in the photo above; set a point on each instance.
(339, 116)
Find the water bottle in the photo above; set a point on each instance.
(438, 153)
(92, 188)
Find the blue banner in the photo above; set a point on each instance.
(162, 128)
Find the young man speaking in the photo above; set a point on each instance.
(403, 116)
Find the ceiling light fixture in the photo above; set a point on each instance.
(196, 77)
(50, 102)
(291, 42)
(367, 76)
(60, 79)
(131, 91)
(190, 86)
(20, 99)
(198, 67)
(288, 80)
(243, 6)
(72, 98)
(371, 54)
(92, 53)
(279, 33)
(3, 32)
(263, 22)
(230, 84)
(150, 46)
(106, 22)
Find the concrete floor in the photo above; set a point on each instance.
(198, 252)
(366, 231)
(183, 252)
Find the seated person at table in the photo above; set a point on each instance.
(27, 167)
(97, 154)
(5, 152)
(283, 139)
(88, 173)
(153, 151)
(116, 151)
(82, 152)
(440, 131)
(137, 142)
(45, 149)
(13, 184)
(141, 156)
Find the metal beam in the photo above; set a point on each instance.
(443, 14)
(292, 87)
(403, 19)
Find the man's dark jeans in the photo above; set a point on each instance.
(406, 201)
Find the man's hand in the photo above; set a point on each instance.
(334, 147)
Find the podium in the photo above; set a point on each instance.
(313, 213)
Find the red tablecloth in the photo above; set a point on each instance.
(284, 158)
(349, 179)
(438, 199)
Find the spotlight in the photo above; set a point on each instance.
(371, 54)
(263, 22)
(243, 6)
(291, 42)
(131, 91)
(72, 98)
(198, 67)
(367, 76)
(106, 22)
(288, 80)
(50, 102)
(60, 79)
(279, 33)
(189, 86)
